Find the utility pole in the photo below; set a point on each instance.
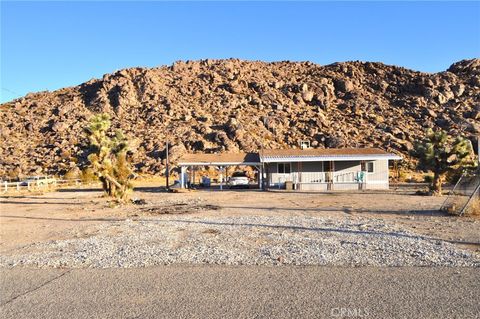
(266, 122)
(167, 169)
(478, 150)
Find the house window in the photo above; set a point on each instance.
(370, 167)
(284, 168)
(328, 166)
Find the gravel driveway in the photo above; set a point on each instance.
(242, 240)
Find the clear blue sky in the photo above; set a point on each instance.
(49, 45)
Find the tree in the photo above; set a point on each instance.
(441, 153)
(108, 157)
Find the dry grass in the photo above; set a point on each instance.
(455, 206)
(474, 208)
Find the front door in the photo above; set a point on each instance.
(283, 172)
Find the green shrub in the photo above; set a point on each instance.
(440, 153)
(428, 178)
(108, 157)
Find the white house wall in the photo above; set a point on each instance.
(379, 178)
(376, 180)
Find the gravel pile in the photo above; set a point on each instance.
(247, 240)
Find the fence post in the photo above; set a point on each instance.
(6, 186)
(28, 185)
(18, 186)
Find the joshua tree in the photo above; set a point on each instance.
(108, 157)
(441, 153)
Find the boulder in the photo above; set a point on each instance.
(344, 86)
(307, 96)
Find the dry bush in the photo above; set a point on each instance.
(474, 208)
(454, 207)
(87, 175)
(73, 174)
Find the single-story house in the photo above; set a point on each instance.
(305, 169)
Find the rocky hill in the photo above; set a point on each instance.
(231, 105)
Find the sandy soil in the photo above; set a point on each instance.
(76, 213)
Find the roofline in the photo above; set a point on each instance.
(291, 158)
(316, 158)
(218, 163)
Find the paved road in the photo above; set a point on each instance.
(241, 292)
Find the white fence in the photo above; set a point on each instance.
(37, 185)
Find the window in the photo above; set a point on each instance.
(284, 168)
(370, 167)
(327, 166)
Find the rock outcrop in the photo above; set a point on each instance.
(232, 105)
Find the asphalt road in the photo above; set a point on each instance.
(181, 291)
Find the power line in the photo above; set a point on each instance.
(8, 90)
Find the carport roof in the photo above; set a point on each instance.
(224, 159)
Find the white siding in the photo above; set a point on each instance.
(376, 180)
(313, 187)
(379, 178)
(275, 178)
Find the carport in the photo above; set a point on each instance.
(221, 161)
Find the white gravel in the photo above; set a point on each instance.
(247, 240)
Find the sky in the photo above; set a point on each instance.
(50, 45)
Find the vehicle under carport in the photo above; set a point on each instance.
(190, 163)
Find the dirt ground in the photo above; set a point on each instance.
(76, 213)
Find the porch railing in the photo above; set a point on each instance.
(329, 177)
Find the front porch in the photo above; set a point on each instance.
(328, 175)
(324, 180)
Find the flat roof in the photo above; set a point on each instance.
(219, 159)
(286, 155)
(326, 154)
(324, 151)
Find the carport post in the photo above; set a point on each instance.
(260, 176)
(221, 177)
(182, 177)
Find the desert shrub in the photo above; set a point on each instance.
(108, 157)
(402, 175)
(453, 176)
(428, 178)
(474, 207)
(73, 173)
(455, 206)
(87, 175)
(451, 208)
(441, 153)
